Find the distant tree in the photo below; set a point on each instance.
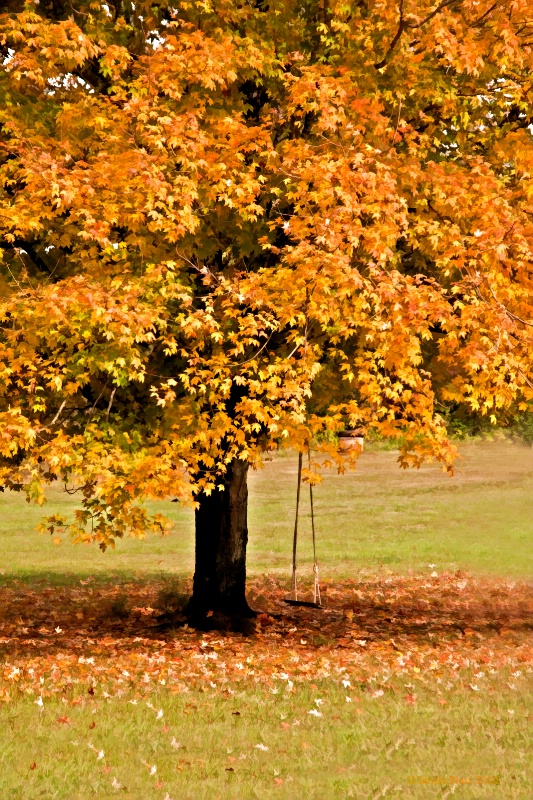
(228, 227)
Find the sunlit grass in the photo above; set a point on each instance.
(377, 517)
(205, 745)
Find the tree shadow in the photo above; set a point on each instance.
(48, 614)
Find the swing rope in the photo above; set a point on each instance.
(316, 588)
(295, 537)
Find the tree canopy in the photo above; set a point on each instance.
(233, 226)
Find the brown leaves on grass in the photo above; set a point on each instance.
(59, 639)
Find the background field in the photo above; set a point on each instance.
(376, 517)
(415, 683)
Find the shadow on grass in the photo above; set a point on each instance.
(50, 613)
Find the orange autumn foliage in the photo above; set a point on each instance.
(227, 227)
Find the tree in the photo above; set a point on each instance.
(228, 227)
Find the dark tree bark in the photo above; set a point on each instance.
(221, 538)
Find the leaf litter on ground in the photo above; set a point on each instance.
(450, 629)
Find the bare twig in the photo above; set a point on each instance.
(91, 410)
(61, 407)
(111, 401)
(30, 251)
(525, 378)
(241, 363)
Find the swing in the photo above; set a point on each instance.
(293, 601)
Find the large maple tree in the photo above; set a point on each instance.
(227, 227)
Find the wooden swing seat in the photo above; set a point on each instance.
(305, 603)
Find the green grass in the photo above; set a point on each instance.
(371, 748)
(377, 517)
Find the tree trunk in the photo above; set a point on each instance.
(221, 538)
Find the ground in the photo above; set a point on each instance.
(413, 682)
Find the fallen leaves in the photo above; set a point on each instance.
(447, 633)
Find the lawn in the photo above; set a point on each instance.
(375, 518)
(414, 682)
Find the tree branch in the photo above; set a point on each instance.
(487, 13)
(403, 25)
(434, 13)
(61, 407)
(111, 402)
(396, 39)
